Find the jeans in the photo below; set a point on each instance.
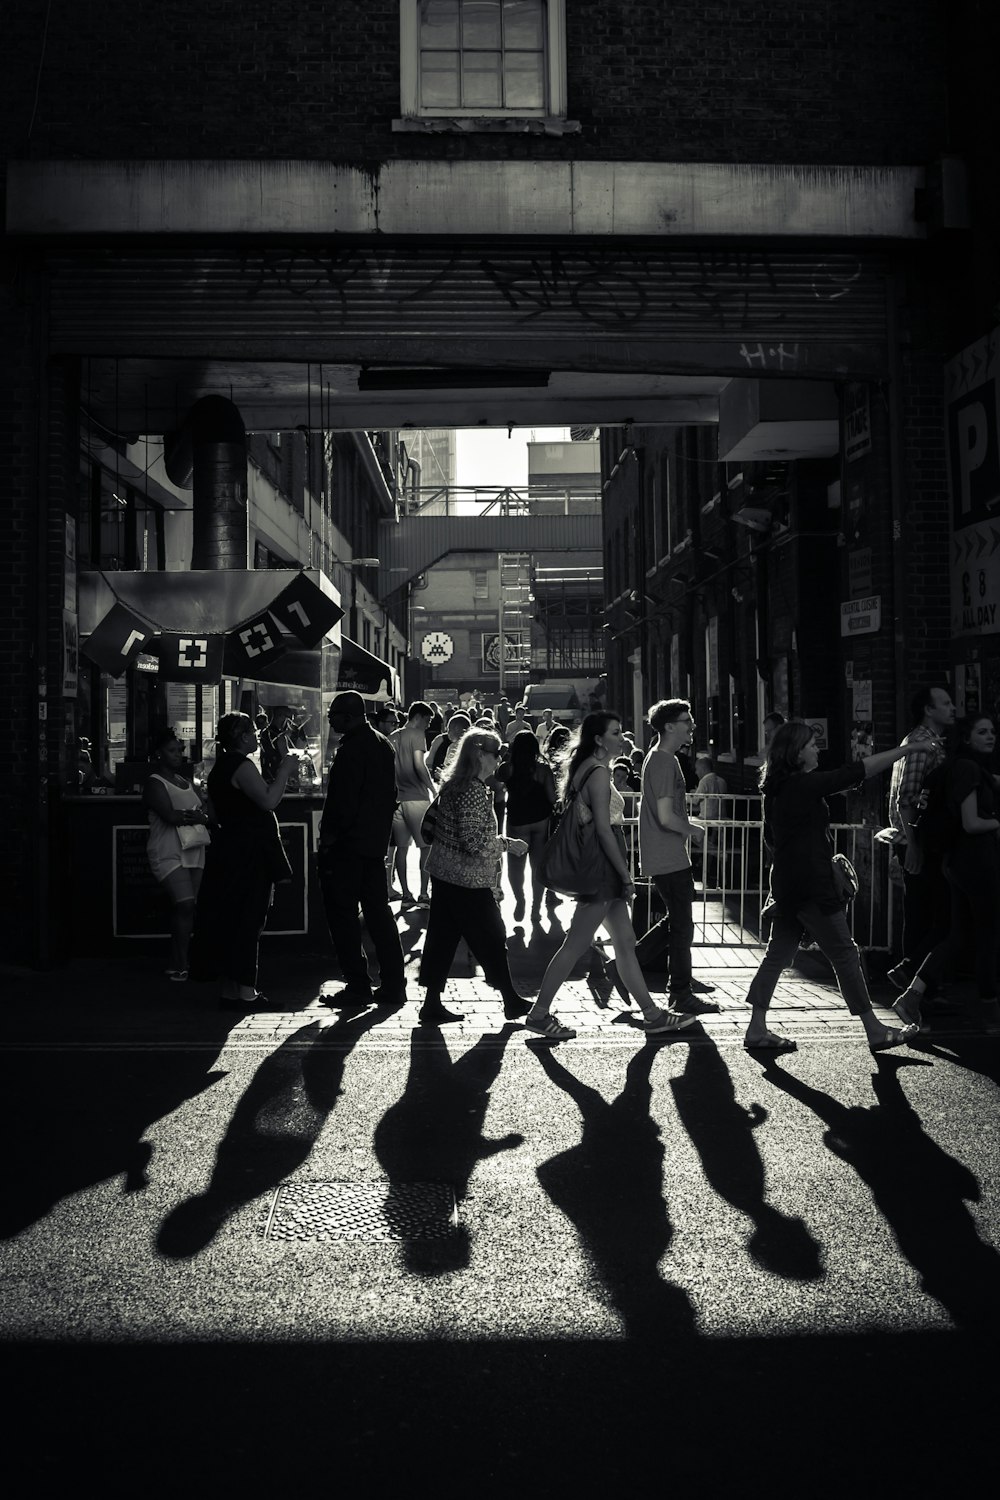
(349, 881)
(457, 912)
(831, 932)
(975, 917)
(675, 930)
(926, 913)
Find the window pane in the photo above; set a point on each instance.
(481, 23)
(523, 81)
(522, 23)
(481, 80)
(439, 23)
(439, 80)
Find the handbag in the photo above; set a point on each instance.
(193, 835)
(429, 823)
(571, 859)
(845, 878)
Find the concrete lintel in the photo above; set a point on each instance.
(586, 198)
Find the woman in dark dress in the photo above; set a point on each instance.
(531, 796)
(972, 869)
(803, 892)
(245, 860)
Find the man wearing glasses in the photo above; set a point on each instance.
(664, 832)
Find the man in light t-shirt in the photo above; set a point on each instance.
(664, 832)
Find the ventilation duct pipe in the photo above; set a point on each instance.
(209, 453)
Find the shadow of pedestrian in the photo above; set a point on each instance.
(918, 1188)
(88, 1112)
(721, 1131)
(272, 1131)
(434, 1131)
(610, 1188)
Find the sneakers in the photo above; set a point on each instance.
(551, 1029)
(666, 1020)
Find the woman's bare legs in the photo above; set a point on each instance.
(586, 919)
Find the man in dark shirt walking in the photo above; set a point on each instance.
(353, 834)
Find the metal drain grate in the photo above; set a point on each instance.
(361, 1211)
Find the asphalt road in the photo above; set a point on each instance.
(668, 1262)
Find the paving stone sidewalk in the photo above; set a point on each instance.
(129, 1002)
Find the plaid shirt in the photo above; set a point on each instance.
(909, 775)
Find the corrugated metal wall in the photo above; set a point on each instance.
(737, 308)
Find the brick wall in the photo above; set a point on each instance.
(774, 81)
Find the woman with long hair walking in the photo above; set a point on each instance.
(531, 796)
(587, 777)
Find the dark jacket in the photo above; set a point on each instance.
(361, 795)
(797, 835)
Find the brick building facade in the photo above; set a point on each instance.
(192, 187)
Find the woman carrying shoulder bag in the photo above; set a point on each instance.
(178, 838)
(588, 781)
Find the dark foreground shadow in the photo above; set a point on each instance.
(610, 1187)
(722, 1132)
(531, 1417)
(918, 1188)
(67, 1126)
(272, 1130)
(434, 1131)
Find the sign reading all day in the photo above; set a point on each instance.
(861, 616)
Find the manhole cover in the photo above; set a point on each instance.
(361, 1211)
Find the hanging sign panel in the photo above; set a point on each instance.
(190, 658)
(252, 646)
(119, 637)
(306, 611)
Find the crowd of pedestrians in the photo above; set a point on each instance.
(478, 791)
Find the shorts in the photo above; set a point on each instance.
(413, 816)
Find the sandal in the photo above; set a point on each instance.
(771, 1042)
(894, 1038)
(551, 1029)
(907, 1008)
(179, 976)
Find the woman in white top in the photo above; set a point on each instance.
(178, 836)
(587, 777)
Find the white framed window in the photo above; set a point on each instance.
(486, 59)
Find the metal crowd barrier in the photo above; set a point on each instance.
(731, 876)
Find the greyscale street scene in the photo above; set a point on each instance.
(501, 556)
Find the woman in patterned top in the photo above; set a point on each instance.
(464, 866)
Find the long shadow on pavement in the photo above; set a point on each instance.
(75, 1118)
(272, 1131)
(610, 1187)
(434, 1131)
(721, 1131)
(918, 1188)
